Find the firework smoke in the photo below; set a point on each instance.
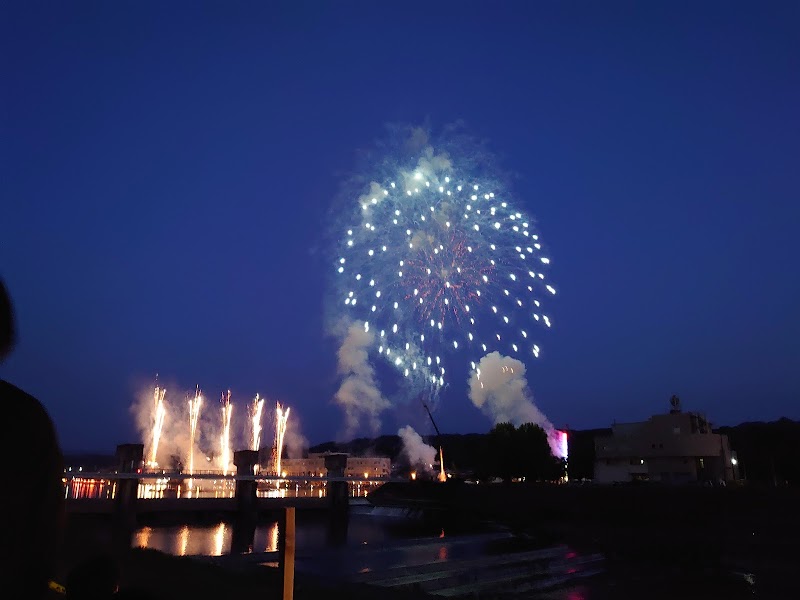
(419, 453)
(499, 388)
(358, 394)
(294, 440)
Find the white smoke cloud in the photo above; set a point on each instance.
(435, 163)
(501, 391)
(293, 439)
(375, 192)
(419, 453)
(358, 395)
(417, 139)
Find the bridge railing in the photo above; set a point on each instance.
(154, 485)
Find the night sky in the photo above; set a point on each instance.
(167, 170)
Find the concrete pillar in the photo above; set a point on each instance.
(244, 526)
(129, 460)
(338, 501)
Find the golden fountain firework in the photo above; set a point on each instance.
(159, 412)
(194, 416)
(255, 422)
(225, 439)
(281, 418)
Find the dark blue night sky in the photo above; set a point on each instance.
(167, 171)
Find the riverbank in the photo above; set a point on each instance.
(680, 538)
(666, 543)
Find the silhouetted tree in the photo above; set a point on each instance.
(520, 452)
(502, 456)
(534, 460)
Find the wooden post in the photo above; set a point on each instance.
(286, 552)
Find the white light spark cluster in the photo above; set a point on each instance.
(438, 265)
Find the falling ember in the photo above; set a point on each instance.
(159, 413)
(442, 475)
(194, 416)
(225, 440)
(281, 418)
(255, 421)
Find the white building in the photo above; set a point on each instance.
(678, 447)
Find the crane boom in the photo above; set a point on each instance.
(428, 410)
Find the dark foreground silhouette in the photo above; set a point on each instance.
(33, 504)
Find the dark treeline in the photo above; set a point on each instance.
(768, 452)
(506, 452)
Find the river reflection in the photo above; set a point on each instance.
(175, 487)
(214, 540)
(313, 532)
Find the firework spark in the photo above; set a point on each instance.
(225, 439)
(255, 422)
(281, 417)
(438, 262)
(159, 412)
(194, 416)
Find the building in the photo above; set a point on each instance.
(357, 467)
(677, 447)
(313, 466)
(368, 467)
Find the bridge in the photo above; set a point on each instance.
(162, 492)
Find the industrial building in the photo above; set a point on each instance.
(357, 467)
(677, 447)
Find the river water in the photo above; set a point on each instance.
(367, 526)
(376, 540)
(379, 539)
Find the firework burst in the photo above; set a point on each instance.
(439, 264)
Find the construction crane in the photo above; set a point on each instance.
(442, 475)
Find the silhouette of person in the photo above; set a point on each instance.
(31, 504)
